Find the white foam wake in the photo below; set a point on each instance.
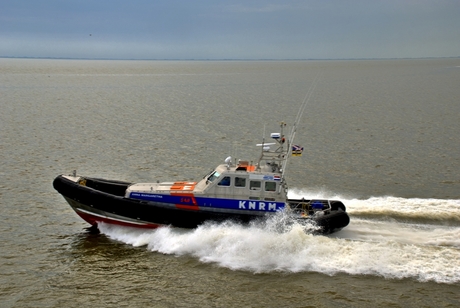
(431, 211)
(384, 247)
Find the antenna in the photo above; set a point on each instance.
(262, 148)
(290, 140)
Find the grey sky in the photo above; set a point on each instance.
(206, 29)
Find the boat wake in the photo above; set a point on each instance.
(390, 237)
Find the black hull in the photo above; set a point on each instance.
(99, 200)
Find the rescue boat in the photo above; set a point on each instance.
(240, 191)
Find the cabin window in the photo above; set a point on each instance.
(240, 182)
(255, 185)
(225, 181)
(213, 176)
(270, 186)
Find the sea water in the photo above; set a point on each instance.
(382, 136)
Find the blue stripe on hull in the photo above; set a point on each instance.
(233, 204)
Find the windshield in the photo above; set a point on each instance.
(214, 176)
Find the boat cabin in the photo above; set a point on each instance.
(242, 181)
(255, 183)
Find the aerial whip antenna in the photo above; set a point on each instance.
(296, 122)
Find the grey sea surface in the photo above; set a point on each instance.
(380, 135)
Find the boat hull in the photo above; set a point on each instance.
(97, 200)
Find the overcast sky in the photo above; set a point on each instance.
(240, 29)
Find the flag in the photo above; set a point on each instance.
(297, 150)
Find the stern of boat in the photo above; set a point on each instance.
(329, 215)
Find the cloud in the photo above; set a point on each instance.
(243, 29)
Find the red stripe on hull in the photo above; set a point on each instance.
(94, 220)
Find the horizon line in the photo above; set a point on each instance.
(221, 59)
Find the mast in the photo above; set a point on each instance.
(277, 159)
